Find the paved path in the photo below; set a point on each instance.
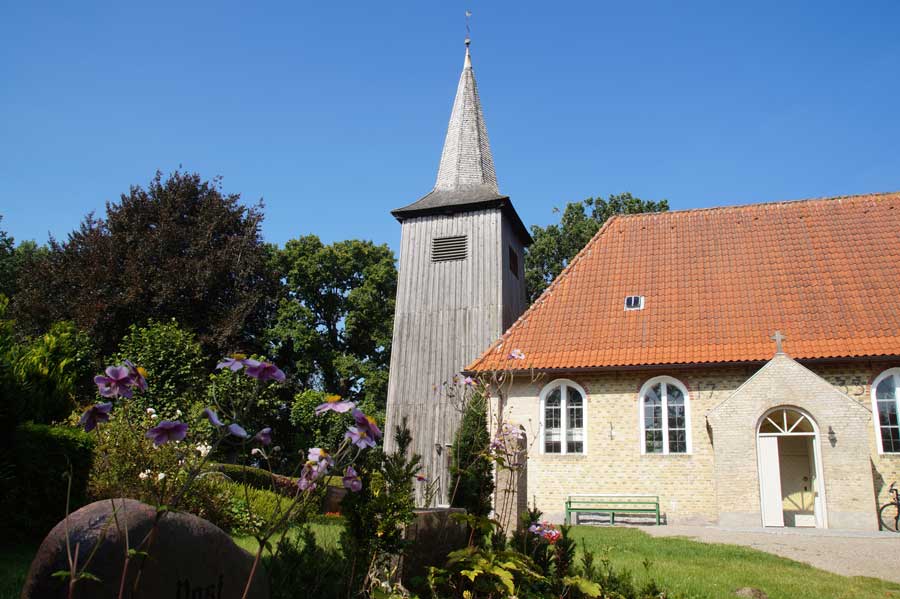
(851, 553)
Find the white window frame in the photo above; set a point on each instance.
(564, 416)
(895, 372)
(668, 380)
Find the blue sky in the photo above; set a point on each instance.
(334, 113)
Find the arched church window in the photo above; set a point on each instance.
(563, 418)
(665, 416)
(886, 407)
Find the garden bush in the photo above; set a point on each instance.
(258, 478)
(35, 500)
(255, 405)
(249, 510)
(173, 359)
(53, 373)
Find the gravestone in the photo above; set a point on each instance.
(188, 557)
(432, 534)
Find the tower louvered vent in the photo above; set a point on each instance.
(444, 249)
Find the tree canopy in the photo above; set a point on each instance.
(181, 248)
(335, 317)
(555, 245)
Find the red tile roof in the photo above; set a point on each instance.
(718, 282)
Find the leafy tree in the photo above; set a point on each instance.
(334, 322)
(14, 259)
(181, 248)
(173, 360)
(555, 245)
(7, 271)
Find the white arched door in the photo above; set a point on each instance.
(790, 473)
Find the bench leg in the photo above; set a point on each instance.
(612, 518)
(568, 518)
(657, 515)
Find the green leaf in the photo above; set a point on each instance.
(586, 587)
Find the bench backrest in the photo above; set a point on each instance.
(610, 500)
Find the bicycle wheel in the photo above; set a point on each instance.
(889, 517)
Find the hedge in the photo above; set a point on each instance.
(258, 478)
(42, 456)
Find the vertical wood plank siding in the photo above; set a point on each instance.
(447, 313)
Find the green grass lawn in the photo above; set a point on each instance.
(703, 570)
(692, 569)
(327, 535)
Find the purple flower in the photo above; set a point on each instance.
(233, 362)
(264, 436)
(236, 430)
(94, 415)
(263, 371)
(316, 454)
(360, 438)
(468, 381)
(318, 464)
(117, 382)
(421, 478)
(167, 430)
(308, 476)
(334, 403)
(367, 424)
(351, 480)
(516, 354)
(138, 375)
(213, 417)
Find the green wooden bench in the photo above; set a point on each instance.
(612, 505)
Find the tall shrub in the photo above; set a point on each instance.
(53, 373)
(471, 471)
(173, 360)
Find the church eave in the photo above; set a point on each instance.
(423, 207)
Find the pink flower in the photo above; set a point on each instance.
(351, 480)
(263, 371)
(367, 424)
(94, 415)
(516, 354)
(359, 437)
(335, 404)
(236, 430)
(264, 436)
(167, 430)
(138, 375)
(233, 363)
(213, 417)
(116, 383)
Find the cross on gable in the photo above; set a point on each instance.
(778, 338)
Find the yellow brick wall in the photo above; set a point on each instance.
(613, 462)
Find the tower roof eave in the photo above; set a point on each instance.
(466, 199)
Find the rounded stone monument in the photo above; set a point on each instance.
(188, 557)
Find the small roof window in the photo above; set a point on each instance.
(634, 302)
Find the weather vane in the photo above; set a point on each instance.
(468, 30)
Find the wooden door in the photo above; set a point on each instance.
(770, 482)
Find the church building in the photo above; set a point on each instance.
(650, 366)
(741, 363)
